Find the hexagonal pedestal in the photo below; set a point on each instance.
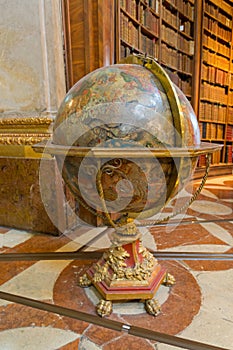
(127, 272)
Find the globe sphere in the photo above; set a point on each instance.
(126, 106)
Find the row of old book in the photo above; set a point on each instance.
(229, 133)
(229, 154)
(216, 46)
(131, 6)
(176, 60)
(128, 32)
(230, 115)
(150, 46)
(230, 100)
(186, 8)
(176, 40)
(214, 75)
(214, 131)
(215, 60)
(214, 8)
(185, 86)
(231, 81)
(214, 26)
(217, 157)
(212, 112)
(214, 93)
(136, 8)
(211, 131)
(178, 23)
(148, 20)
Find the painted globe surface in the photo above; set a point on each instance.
(125, 106)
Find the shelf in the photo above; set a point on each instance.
(132, 48)
(215, 77)
(184, 17)
(165, 22)
(185, 53)
(214, 83)
(169, 5)
(133, 19)
(154, 13)
(203, 99)
(172, 46)
(212, 139)
(185, 35)
(211, 121)
(148, 32)
(174, 69)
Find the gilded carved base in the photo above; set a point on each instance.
(127, 272)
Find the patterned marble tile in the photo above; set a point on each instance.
(13, 237)
(199, 306)
(35, 338)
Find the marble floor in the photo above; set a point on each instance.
(198, 308)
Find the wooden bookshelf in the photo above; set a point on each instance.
(216, 90)
(191, 39)
(169, 30)
(162, 29)
(137, 27)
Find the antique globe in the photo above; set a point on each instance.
(126, 141)
(126, 107)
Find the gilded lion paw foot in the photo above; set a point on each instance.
(104, 308)
(152, 307)
(169, 280)
(84, 281)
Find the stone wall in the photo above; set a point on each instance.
(32, 85)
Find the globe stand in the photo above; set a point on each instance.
(127, 271)
(152, 129)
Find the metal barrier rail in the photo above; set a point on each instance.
(111, 324)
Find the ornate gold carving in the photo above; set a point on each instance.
(25, 121)
(104, 308)
(152, 307)
(84, 281)
(114, 260)
(125, 233)
(169, 280)
(22, 139)
(24, 130)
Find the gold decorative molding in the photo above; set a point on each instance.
(22, 131)
(22, 139)
(25, 121)
(19, 133)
